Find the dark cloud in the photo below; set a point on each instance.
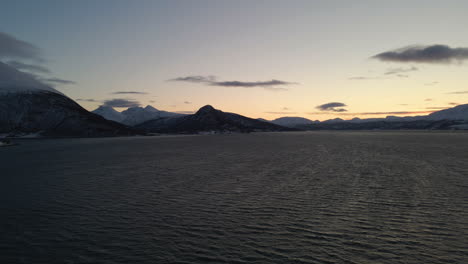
(428, 99)
(121, 103)
(452, 103)
(152, 101)
(88, 100)
(129, 92)
(400, 71)
(28, 67)
(195, 79)
(332, 107)
(187, 102)
(431, 83)
(58, 81)
(211, 80)
(425, 54)
(251, 84)
(459, 92)
(10, 47)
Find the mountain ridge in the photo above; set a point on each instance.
(209, 119)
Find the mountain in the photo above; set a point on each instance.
(109, 113)
(137, 115)
(208, 119)
(292, 121)
(28, 106)
(451, 118)
(133, 115)
(387, 125)
(459, 112)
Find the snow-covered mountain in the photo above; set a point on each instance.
(459, 112)
(109, 113)
(209, 119)
(133, 115)
(28, 106)
(292, 121)
(451, 118)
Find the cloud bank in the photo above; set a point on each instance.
(11, 47)
(14, 52)
(424, 54)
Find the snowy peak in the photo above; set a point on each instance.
(109, 113)
(459, 112)
(133, 115)
(292, 121)
(149, 108)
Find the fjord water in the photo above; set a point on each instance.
(319, 197)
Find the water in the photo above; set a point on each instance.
(320, 197)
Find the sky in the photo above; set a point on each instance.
(315, 59)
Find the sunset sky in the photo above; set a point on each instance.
(257, 58)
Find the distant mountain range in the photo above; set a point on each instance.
(209, 120)
(30, 108)
(133, 115)
(451, 118)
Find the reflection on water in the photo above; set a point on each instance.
(258, 198)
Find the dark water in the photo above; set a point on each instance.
(375, 197)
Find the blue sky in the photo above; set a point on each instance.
(322, 49)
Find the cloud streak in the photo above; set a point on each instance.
(332, 107)
(400, 71)
(271, 85)
(119, 102)
(88, 100)
(129, 92)
(424, 54)
(459, 92)
(195, 79)
(58, 81)
(27, 67)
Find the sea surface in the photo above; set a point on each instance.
(299, 197)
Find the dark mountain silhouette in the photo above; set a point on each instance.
(208, 119)
(52, 114)
(27, 106)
